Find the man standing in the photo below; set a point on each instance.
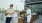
(28, 12)
(9, 14)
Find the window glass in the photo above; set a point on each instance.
(40, 5)
(34, 8)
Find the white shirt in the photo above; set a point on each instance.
(28, 11)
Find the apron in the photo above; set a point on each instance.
(28, 17)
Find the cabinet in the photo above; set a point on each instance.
(20, 20)
(34, 18)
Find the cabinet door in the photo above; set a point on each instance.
(20, 20)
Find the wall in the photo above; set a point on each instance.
(17, 4)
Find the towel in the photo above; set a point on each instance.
(15, 15)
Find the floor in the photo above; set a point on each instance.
(1, 21)
(39, 20)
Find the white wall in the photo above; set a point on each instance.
(5, 4)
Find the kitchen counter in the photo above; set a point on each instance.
(34, 18)
(20, 20)
(23, 15)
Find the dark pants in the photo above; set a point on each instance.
(8, 19)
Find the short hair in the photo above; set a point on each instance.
(27, 6)
(11, 5)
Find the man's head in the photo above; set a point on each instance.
(27, 7)
(11, 6)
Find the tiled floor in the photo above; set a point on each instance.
(39, 20)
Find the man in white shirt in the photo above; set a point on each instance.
(28, 12)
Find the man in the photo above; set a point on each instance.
(28, 12)
(9, 13)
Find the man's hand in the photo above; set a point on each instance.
(6, 14)
(19, 17)
(28, 14)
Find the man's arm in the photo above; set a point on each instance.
(6, 11)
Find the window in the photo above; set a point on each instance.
(34, 8)
(40, 0)
(40, 5)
